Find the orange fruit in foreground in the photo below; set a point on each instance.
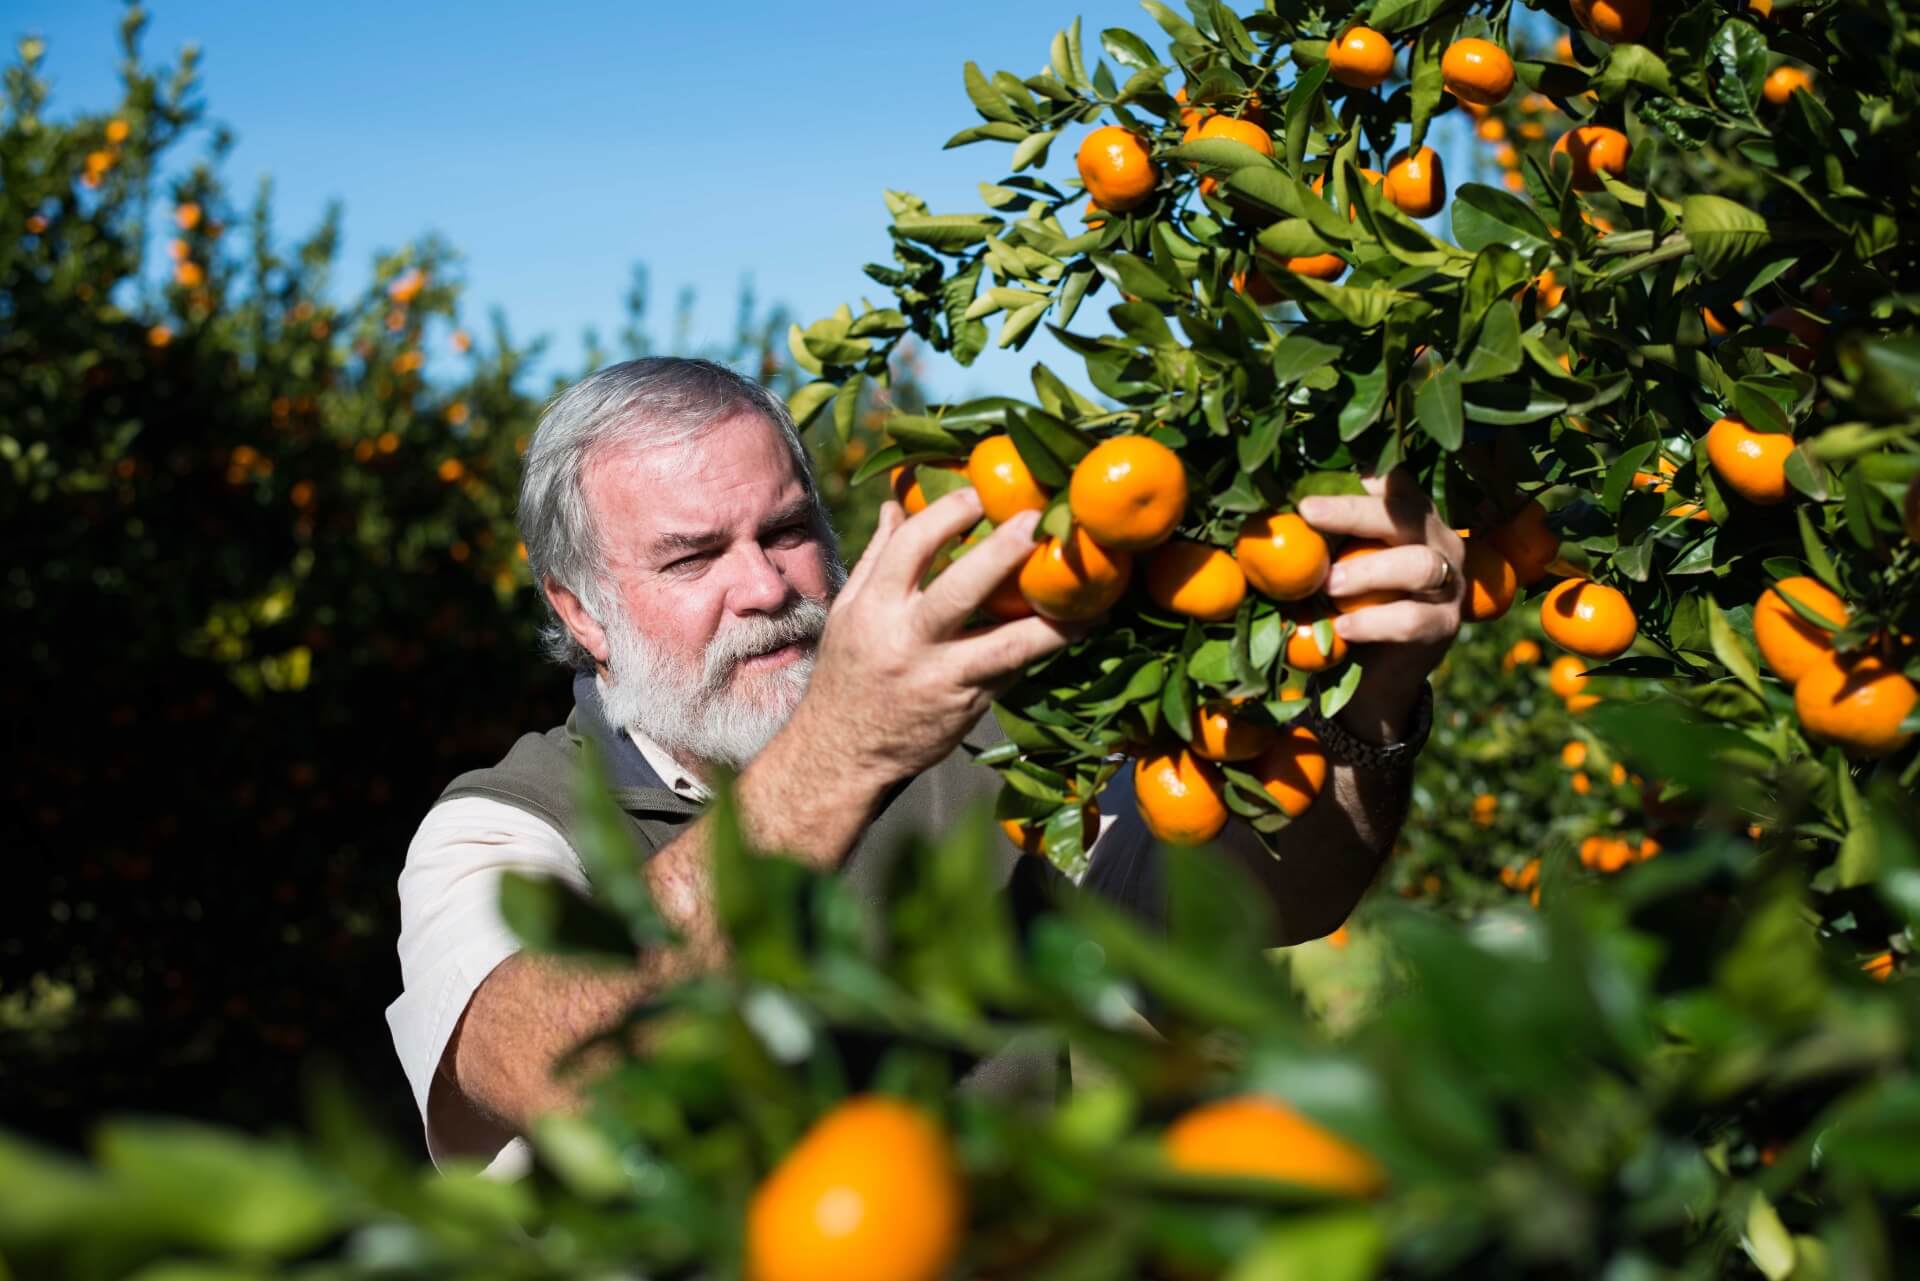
(1857, 704)
(1304, 653)
(1354, 549)
(1180, 797)
(1417, 183)
(1789, 643)
(1075, 578)
(1328, 266)
(1360, 59)
(1220, 735)
(1116, 168)
(1589, 618)
(1129, 492)
(1491, 582)
(1258, 1137)
(1594, 150)
(1527, 542)
(1751, 463)
(1000, 476)
(1783, 82)
(1477, 71)
(1196, 580)
(1614, 21)
(1026, 836)
(1293, 770)
(1283, 557)
(871, 1193)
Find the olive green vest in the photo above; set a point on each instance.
(540, 775)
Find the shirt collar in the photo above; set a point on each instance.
(679, 780)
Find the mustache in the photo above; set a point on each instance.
(801, 623)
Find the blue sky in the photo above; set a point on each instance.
(556, 145)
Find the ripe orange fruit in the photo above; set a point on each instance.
(1789, 643)
(1293, 770)
(1220, 735)
(871, 1193)
(1751, 463)
(1574, 754)
(1593, 150)
(1491, 582)
(1129, 492)
(1373, 176)
(1196, 580)
(1262, 292)
(1810, 333)
(1783, 82)
(1000, 476)
(1581, 784)
(1857, 704)
(1180, 797)
(1026, 836)
(1614, 21)
(1304, 653)
(1581, 702)
(1327, 266)
(1258, 1137)
(1283, 557)
(1360, 59)
(1513, 181)
(1219, 128)
(1074, 579)
(1092, 216)
(1525, 653)
(1492, 129)
(1354, 549)
(1116, 167)
(1417, 183)
(1878, 968)
(1477, 71)
(1589, 618)
(1527, 542)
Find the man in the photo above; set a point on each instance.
(696, 589)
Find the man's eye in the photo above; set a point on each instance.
(690, 562)
(792, 535)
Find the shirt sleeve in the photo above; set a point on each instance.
(451, 937)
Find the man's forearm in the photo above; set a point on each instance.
(1328, 856)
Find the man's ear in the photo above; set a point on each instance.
(578, 621)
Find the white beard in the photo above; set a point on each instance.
(718, 714)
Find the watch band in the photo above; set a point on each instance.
(1343, 745)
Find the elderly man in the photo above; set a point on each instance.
(696, 590)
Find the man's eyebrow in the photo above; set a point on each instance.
(666, 544)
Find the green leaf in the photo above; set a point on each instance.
(921, 433)
(217, 1190)
(552, 917)
(1428, 84)
(1033, 150)
(946, 232)
(1631, 64)
(1731, 650)
(1127, 49)
(1403, 15)
(1337, 1245)
(1816, 551)
(1134, 275)
(1292, 238)
(1739, 54)
(997, 131)
(1303, 103)
(1485, 216)
(1721, 231)
(1766, 1240)
(1297, 355)
(1496, 352)
(1760, 410)
(1438, 410)
(1366, 395)
(808, 400)
(1360, 306)
(987, 100)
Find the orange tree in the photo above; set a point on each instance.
(268, 598)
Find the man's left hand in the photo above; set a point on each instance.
(1405, 639)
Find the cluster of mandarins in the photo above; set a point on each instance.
(874, 1191)
(1127, 496)
(1857, 700)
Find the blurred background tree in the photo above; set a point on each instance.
(268, 596)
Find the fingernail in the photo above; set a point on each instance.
(1025, 522)
(1336, 579)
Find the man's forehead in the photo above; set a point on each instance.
(739, 468)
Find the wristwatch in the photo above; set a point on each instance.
(1343, 745)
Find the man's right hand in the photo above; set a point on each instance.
(899, 679)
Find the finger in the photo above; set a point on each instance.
(1402, 621)
(1414, 567)
(1407, 505)
(968, 581)
(1349, 514)
(891, 515)
(903, 561)
(992, 654)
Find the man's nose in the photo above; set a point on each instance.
(759, 587)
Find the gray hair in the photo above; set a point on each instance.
(655, 402)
